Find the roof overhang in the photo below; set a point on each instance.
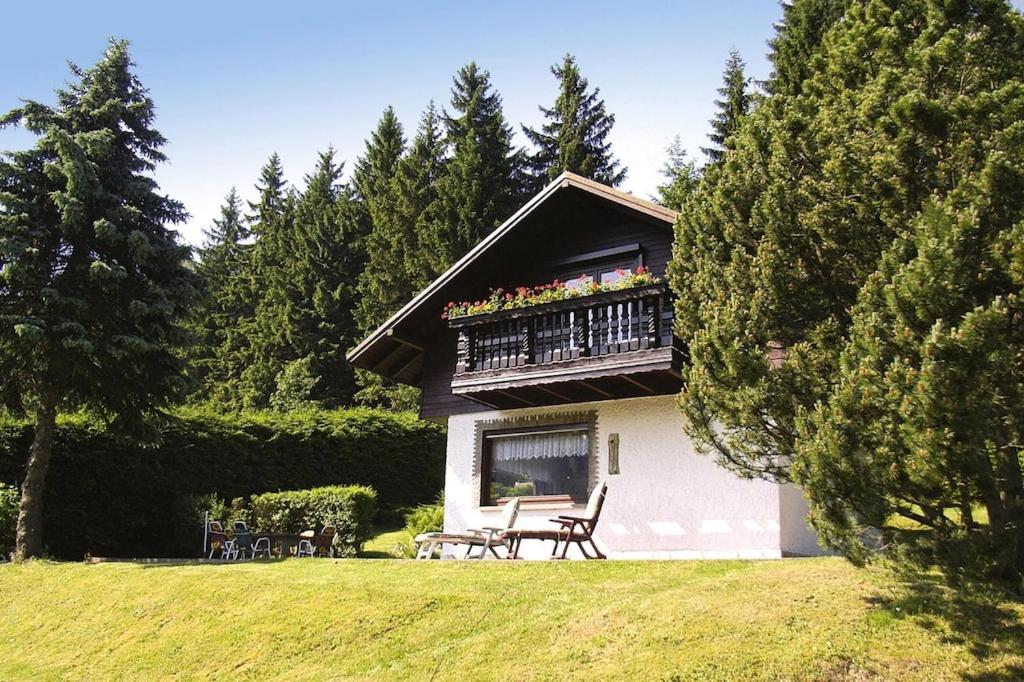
(401, 354)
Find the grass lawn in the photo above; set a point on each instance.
(368, 619)
(382, 544)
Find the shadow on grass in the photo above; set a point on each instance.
(981, 619)
(177, 563)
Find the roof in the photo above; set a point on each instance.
(563, 181)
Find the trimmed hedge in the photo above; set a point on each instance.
(109, 496)
(349, 509)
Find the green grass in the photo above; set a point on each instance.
(364, 619)
(383, 543)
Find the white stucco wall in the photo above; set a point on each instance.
(668, 502)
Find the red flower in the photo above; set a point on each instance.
(640, 269)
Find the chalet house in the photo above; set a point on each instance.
(546, 393)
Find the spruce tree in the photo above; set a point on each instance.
(266, 284)
(574, 138)
(734, 105)
(224, 260)
(790, 297)
(94, 284)
(483, 182)
(375, 169)
(322, 269)
(416, 200)
(400, 250)
(681, 177)
(374, 180)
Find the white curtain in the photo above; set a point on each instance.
(509, 448)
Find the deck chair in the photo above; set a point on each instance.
(321, 544)
(488, 538)
(570, 529)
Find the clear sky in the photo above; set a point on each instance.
(235, 82)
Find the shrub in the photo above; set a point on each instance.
(108, 496)
(350, 509)
(425, 518)
(9, 499)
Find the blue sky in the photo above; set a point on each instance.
(233, 83)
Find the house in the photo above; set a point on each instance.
(545, 396)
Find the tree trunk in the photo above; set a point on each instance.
(29, 539)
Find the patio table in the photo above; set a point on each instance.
(283, 541)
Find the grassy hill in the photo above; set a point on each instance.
(367, 619)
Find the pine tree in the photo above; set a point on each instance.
(681, 174)
(94, 284)
(798, 39)
(224, 259)
(483, 183)
(734, 105)
(574, 138)
(818, 284)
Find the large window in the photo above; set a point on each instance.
(545, 462)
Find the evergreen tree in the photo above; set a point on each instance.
(402, 253)
(482, 185)
(797, 40)
(681, 174)
(732, 108)
(374, 185)
(416, 200)
(574, 138)
(93, 285)
(322, 270)
(267, 283)
(224, 259)
(401, 257)
(824, 201)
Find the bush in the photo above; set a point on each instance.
(108, 496)
(349, 509)
(425, 518)
(9, 499)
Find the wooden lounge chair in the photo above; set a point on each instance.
(487, 538)
(578, 529)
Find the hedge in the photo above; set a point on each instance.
(109, 496)
(350, 509)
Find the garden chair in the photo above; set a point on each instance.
(219, 541)
(487, 538)
(578, 529)
(244, 544)
(321, 544)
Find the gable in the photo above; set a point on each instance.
(571, 216)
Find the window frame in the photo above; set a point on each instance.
(596, 263)
(527, 425)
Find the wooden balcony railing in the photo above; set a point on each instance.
(590, 326)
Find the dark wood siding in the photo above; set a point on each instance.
(576, 225)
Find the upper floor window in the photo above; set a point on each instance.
(603, 267)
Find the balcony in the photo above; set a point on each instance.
(615, 344)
